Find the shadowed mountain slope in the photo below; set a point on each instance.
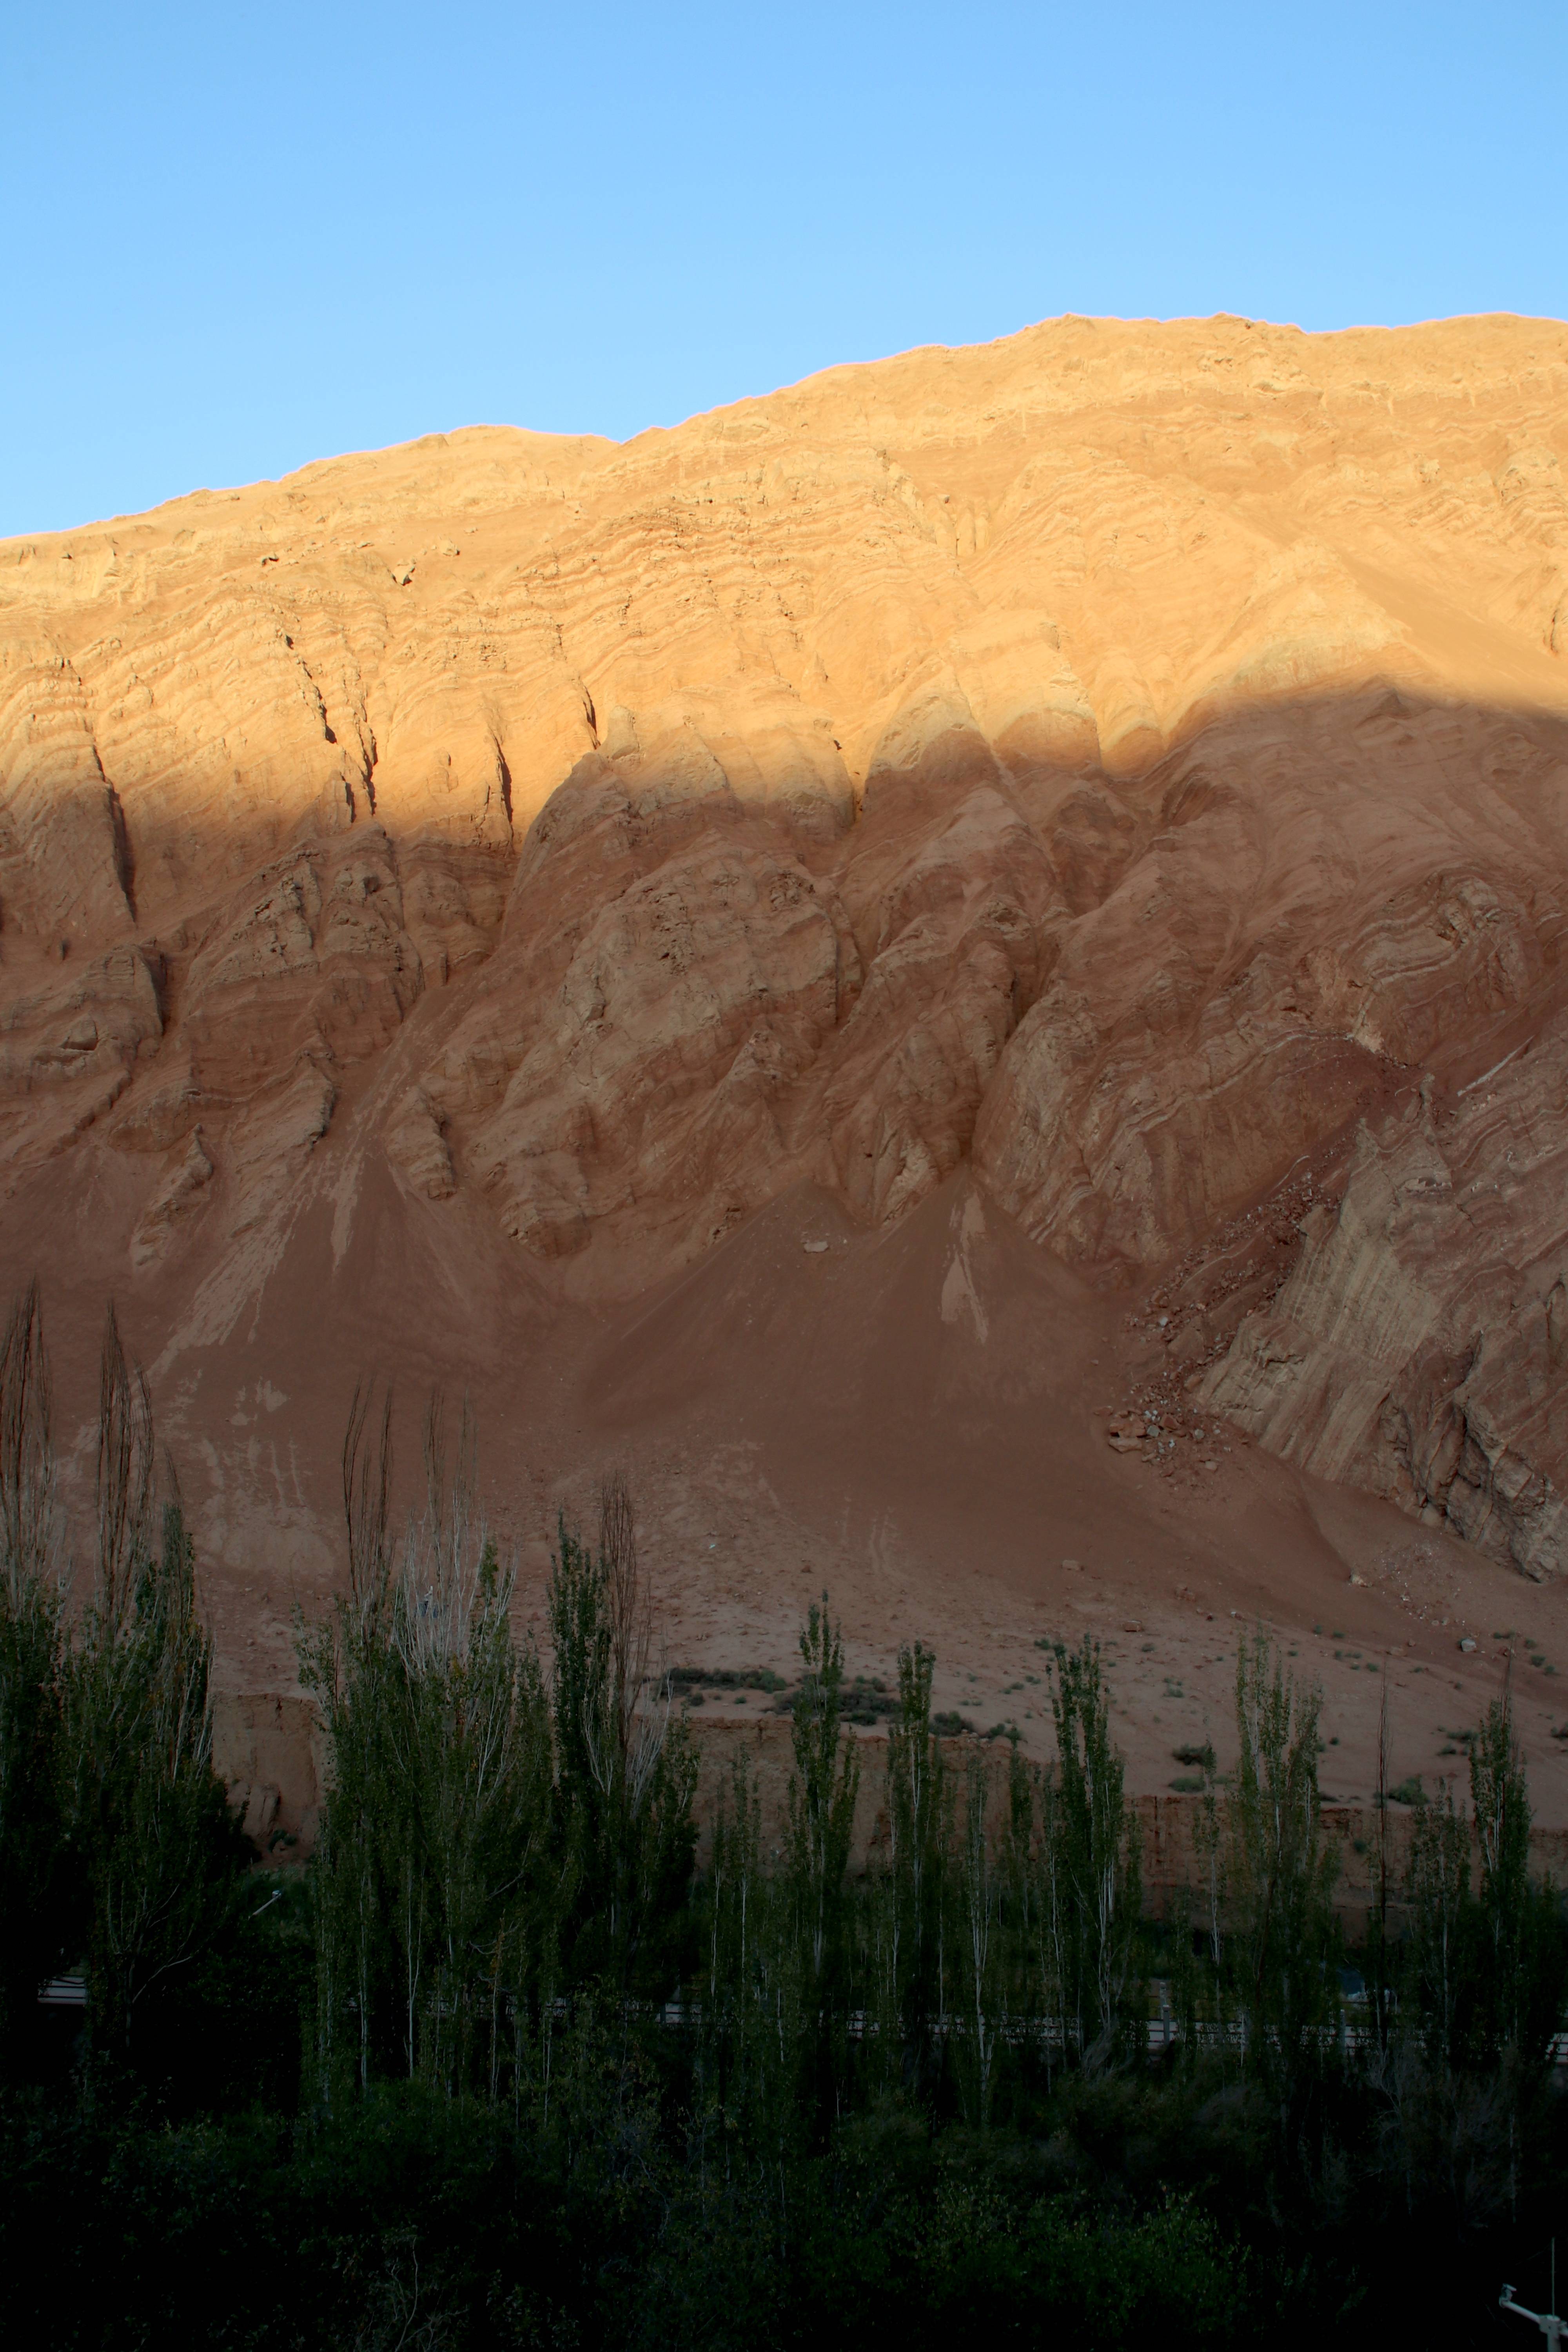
(1109, 786)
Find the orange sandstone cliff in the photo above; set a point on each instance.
(974, 888)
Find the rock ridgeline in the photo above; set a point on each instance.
(1131, 760)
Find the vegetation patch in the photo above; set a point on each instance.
(503, 2066)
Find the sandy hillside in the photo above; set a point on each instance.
(963, 966)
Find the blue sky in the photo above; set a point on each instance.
(233, 238)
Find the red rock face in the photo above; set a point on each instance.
(1130, 764)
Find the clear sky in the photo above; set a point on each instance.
(233, 238)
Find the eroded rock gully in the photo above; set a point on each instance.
(1130, 761)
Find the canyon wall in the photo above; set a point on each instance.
(1128, 760)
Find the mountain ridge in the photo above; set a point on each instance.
(1120, 773)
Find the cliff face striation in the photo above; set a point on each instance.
(1128, 762)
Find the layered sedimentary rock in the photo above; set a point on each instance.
(1131, 760)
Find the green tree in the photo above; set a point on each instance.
(981, 1888)
(750, 1993)
(625, 1771)
(1280, 1871)
(824, 1785)
(1092, 1893)
(34, 1884)
(1518, 1922)
(1441, 1942)
(157, 1851)
(431, 1877)
(919, 1832)
(1033, 1959)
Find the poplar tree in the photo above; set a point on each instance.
(1441, 1943)
(1519, 1923)
(823, 1788)
(918, 1858)
(625, 1768)
(35, 1886)
(1280, 1871)
(750, 2013)
(1090, 1855)
(157, 1851)
(433, 1891)
(981, 1929)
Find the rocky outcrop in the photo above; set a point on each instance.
(1420, 1344)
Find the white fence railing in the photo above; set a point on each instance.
(1053, 2034)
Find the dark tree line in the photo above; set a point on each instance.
(117, 1851)
(507, 2067)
